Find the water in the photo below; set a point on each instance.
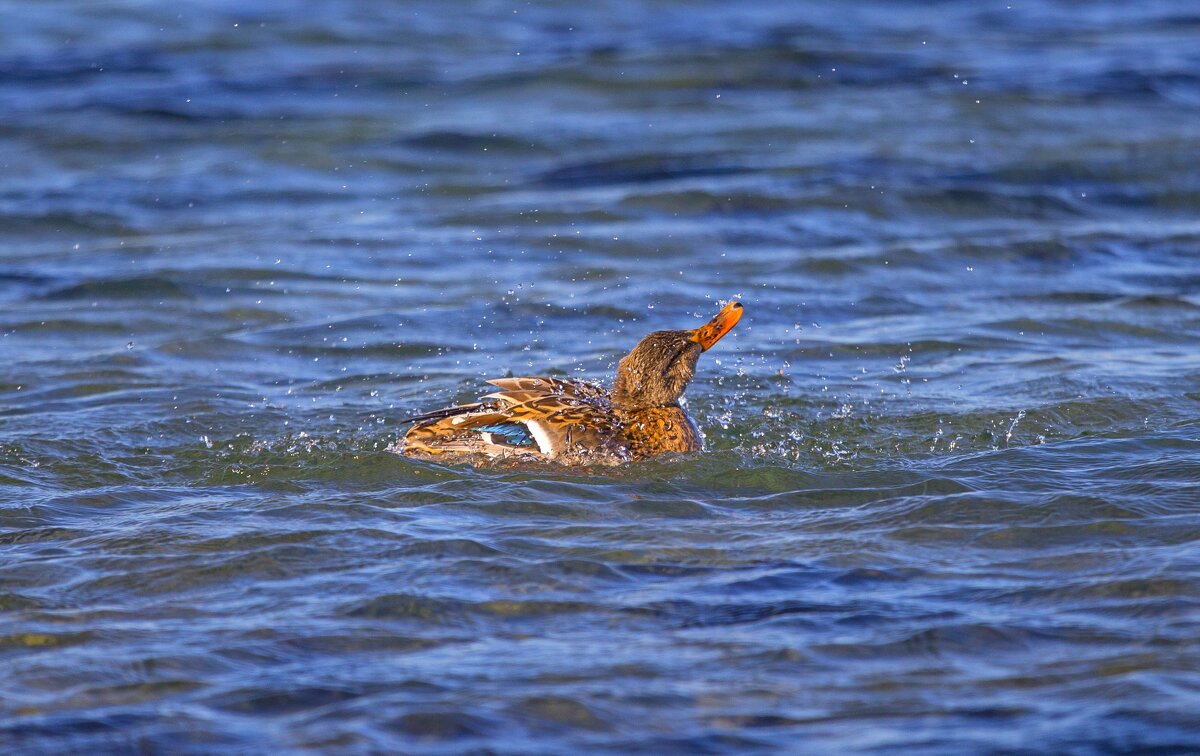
(951, 500)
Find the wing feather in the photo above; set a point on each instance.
(566, 418)
(547, 385)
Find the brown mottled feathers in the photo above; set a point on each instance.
(566, 420)
(660, 429)
(578, 422)
(562, 387)
(569, 420)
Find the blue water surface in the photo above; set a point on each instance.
(951, 498)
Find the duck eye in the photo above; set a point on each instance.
(682, 354)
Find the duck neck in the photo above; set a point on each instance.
(625, 410)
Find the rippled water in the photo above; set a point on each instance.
(951, 500)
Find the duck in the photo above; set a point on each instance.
(577, 422)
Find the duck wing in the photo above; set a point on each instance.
(555, 386)
(461, 409)
(545, 418)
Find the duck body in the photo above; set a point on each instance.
(577, 422)
(657, 430)
(551, 419)
(535, 417)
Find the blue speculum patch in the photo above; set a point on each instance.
(513, 434)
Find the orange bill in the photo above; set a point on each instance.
(727, 318)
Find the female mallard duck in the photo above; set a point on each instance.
(577, 422)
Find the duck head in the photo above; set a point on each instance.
(661, 366)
